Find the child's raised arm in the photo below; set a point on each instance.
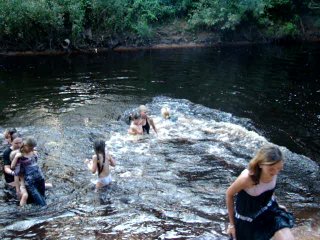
(92, 164)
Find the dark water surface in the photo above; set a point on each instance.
(227, 102)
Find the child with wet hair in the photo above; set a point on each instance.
(135, 127)
(165, 112)
(101, 162)
(29, 179)
(256, 214)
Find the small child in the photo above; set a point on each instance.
(136, 127)
(27, 170)
(165, 112)
(19, 182)
(101, 162)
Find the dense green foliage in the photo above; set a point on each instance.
(32, 22)
(276, 18)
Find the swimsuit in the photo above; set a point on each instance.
(146, 127)
(104, 180)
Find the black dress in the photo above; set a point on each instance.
(259, 217)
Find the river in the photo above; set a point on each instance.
(226, 102)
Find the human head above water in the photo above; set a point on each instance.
(16, 141)
(8, 134)
(28, 145)
(267, 155)
(143, 110)
(165, 112)
(99, 146)
(136, 116)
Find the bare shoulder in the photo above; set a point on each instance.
(243, 181)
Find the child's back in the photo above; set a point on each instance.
(101, 163)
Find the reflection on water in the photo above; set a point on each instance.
(170, 185)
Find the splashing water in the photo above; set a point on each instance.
(169, 185)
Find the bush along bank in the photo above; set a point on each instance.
(70, 25)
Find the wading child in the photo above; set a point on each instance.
(28, 175)
(256, 214)
(101, 162)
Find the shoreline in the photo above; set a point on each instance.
(131, 48)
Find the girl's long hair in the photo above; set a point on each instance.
(267, 155)
(99, 148)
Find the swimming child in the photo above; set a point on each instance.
(165, 112)
(101, 162)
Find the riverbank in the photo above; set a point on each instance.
(174, 35)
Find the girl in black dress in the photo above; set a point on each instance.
(256, 214)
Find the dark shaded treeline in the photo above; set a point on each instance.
(45, 24)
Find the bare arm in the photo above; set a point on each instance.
(242, 182)
(14, 161)
(8, 170)
(92, 164)
(112, 161)
(152, 125)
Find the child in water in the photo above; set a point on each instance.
(166, 114)
(28, 175)
(136, 127)
(101, 162)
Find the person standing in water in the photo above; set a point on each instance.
(8, 173)
(256, 214)
(8, 135)
(101, 162)
(146, 120)
(6, 141)
(28, 175)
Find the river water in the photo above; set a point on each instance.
(226, 102)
